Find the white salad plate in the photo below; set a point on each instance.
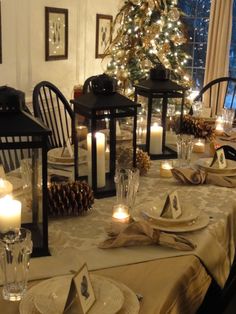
(153, 210)
(199, 223)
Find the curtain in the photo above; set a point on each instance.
(218, 45)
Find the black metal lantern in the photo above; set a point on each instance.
(23, 162)
(102, 110)
(163, 89)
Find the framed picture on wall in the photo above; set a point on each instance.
(0, 35)
(103, 34)
(56, 33)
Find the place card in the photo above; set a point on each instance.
(82, 289)
(172, 208)
(221, 158)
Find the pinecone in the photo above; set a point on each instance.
(197, 127)
(143, 162)
(69, 199)
(125, 159)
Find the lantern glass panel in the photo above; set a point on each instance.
(113, 115)
(22, 167)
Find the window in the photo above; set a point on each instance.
(232, 55)
(196, 20)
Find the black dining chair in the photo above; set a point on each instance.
(53, 109)
(10, 158)
(213, 90)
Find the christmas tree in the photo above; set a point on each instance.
(147, 33)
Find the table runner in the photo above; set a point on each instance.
(215, 244)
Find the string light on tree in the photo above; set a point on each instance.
(147, 33)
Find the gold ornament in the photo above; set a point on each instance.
(122, 74)
(178, 39)
(173, 15)
(156, 28)
(120, 53)
(146, 63)
(125, 74)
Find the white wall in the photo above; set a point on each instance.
(23, 43)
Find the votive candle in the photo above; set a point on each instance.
(165, 168)
(199, 146)
(120, 213)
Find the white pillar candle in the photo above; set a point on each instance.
(165, 169)
(101, 173)
(82, 132)
(121, 213)
(5, 187)
(10, 214)
(199, 146)
(156, 133)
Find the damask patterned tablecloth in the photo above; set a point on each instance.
(215, 243)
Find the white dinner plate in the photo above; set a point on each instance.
(204, 163)
(201, 222)
(55, 158)
(109, 298)
(131, 304)
(153, 210)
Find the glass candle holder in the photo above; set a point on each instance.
(219, 126)
(199, 145)
(121, 213)
(15, 251)
(184, 149)
(165, 168)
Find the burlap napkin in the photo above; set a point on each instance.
(191, 176)
(142, 233)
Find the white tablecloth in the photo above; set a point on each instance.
(215, 244)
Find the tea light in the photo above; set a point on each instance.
(165, 168)
(10, 214)
(5, 187)
(199, 146)
(156, 139)
(219, 126)
(121, 213)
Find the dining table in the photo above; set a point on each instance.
(163, 279)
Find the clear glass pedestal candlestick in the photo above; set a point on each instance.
(15, 251)
(127, 183)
